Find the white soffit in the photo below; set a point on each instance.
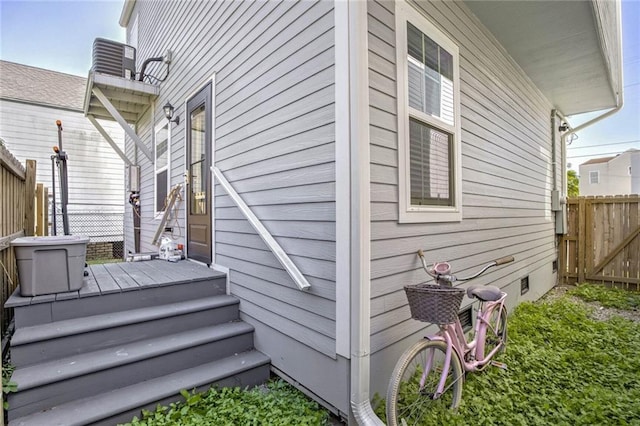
(561, 46)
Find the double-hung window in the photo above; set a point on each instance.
(161, 150)
(428, 120)
(594, 177)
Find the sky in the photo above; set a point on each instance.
(58, 35)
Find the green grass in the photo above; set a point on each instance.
(607, 297)
(276, 404)
(563, 368)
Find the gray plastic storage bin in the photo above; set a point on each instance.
(49, 265)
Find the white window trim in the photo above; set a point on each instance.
(159, 126)
(407, 212)
(597, 172)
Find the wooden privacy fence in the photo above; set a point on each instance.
(17, 219)
(41, 210)
(603, 241)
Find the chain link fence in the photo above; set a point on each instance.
(104, 229)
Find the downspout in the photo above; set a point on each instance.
(572, 130)
(618, 107)
(360, 217)
(554, 155)
(568, 131)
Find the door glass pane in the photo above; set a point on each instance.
(198, 163)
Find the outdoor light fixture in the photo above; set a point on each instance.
(168, 112)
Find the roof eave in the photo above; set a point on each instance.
(571, 50)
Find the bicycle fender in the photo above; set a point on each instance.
(435, 338)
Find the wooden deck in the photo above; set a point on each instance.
(121, 277)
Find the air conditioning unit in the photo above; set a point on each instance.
(113, 58)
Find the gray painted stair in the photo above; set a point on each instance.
(64, 306)
(117, 353)
(44, 385)
(122, 404)
(43, 342)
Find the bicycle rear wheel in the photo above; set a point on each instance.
(496, 333)
(412, 393)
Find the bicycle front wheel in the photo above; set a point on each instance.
(412, 391)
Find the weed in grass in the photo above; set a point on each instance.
(7, 385)
(277, 403)
(607, 297)
(563, 368)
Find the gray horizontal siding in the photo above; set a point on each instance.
(324, 231)
(274, 141)
(324, 250)
(506, 172)
(301, 211)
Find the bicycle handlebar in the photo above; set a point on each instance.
(503, 260)
(447, 278)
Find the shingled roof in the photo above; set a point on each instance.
(24, 83)
(607, 159)
(598, 160)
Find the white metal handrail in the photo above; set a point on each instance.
(273, 245)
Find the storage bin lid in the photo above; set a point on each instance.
(53, 240)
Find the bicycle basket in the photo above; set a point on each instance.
(434, 303)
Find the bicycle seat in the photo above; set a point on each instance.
(487, 293)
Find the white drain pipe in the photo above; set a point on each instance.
(360, 215)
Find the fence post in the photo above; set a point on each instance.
(45, 211)
(39, 206)
(29, 197)
(582, 211)
(42, 210)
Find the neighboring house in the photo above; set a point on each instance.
(31, 100)
(618, 175)
(357, 133)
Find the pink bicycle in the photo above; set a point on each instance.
(431, 372)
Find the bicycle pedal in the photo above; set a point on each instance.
(501, 365)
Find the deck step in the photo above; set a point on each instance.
(67, 379)
(88, 301)
(39, 343)
(120, 405)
